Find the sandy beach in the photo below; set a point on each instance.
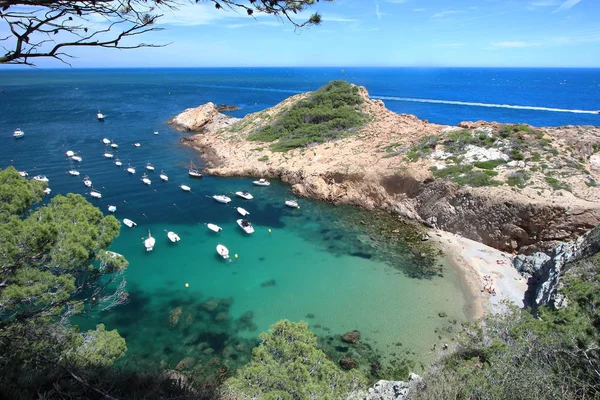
(482, 267)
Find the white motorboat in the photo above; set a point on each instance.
(193, 171)
(118, 163)
(242, 212)
(221, 198)
(164, 176)
(245, 225)
(76, 158)
(223, 251)
(112, 209)
(129, 223)
(96, 194)
(173, 237)
(156, 132)
(18, 133)
(87, 182)
(100, 116)
(291, 203)
(131, 169)
(149, 166)
(47, 191)
(261, 182)
(41, 178)
(244, 195)
(24, 174)
(106, 141)
(114, 145)
(108, 155)
(185, 188)
(136, 144)
(214, 228)
(149, 242)
(70, 153)
(146, 180)
(73, 172)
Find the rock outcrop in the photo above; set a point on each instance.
(204, 117)
(394, 390)
(544, 272)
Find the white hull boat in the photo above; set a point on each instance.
(137, 144)
(146, 180)
(129, 223)
(261, 182)
(18, 133)
(41, 178)
(70, 153)
(244, 195)
(73, 172)
(108, 155)
(100, 116)
(193, 171)
(214, 228)
(149, 242)
(164, 176)
(156, 132)
(114, 145)
(222, 199)
(291, 203)
(24, 174)
(185, 188)
(47, 191)
(131, 169)
(118, 163)
(106, 141)
(242, 211)
(77, 158)
(223, 251)
(112, 209)
(173, 237)
(245, 225)
(87, 182)
(150, 167)
(96, 194)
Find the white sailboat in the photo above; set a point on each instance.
(118, 163)
(261, 182)
(70, 153)
(214, 228)
(146, 180)
(106, 141)
(87, 182)
(131, 169)
(73, 172)
(223, 251)
(244, 195)
(76, 158)
(108, 155)
(185, 188)
(137, 144)
(112, 209)
(129, 223)
(245, 225)
(18, 133)
(173, 237)
(164, 176)
(221, 198)
(242, 211)
(149, 166)
(193, 171)
(96, 194)
(114, 145)
(149, 242)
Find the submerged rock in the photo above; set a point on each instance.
(351, 337)
(226, 107)
(174, 316)
(186, 363)
(270, 282)
(347, 363)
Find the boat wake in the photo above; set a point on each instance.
(490, 105)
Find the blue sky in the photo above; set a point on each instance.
(490, 33)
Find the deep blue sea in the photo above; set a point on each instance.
(300, 264)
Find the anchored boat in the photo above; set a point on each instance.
(245, 225)
(223, 251)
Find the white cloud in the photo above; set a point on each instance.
(443, 14)
(377, 12)
(514, 44)
(567, 4)
(418, 9)
(397, 1)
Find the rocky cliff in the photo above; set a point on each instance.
(512, 187)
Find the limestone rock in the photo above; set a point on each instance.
(394, 390)
(205, 116)
(595, 162)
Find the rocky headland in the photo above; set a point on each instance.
(515, 188)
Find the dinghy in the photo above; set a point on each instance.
(129, 223)
(100, 116)
(245, 225)
(131, 169)
(108, 155)
(70, 153)
(118, 163)
(214, 228)
(87, 182)
(18, 133)
(244, 195)
(221, 198)
(136, 144)
(149, 242)
(149, 166)
(291, 203)
(173, 237)
(242, 212)
(156, 132)
(185, 188)
(261, 182)
(106, 141)
(41, 178)
(146, 180)
(24, 174)
(77, 158)
(47, 191)
(114, 145)
(96, 194)
(223, 251)
(164, 176)
(112, 209)
(73, 172)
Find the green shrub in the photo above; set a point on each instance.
(556, 184)
(518, 179)
(516, 154)
(264, 158)
(464, 175)
(489, 164)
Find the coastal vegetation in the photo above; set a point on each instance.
(331, 112)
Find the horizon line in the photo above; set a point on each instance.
(28, 68)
